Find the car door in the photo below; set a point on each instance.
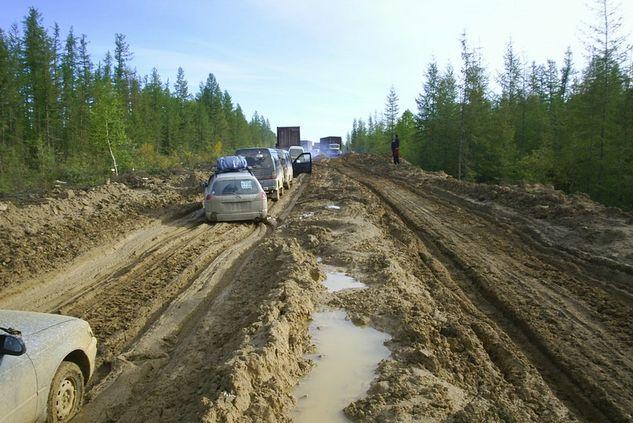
(302, 164)
(18, 389)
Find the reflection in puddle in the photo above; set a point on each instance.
(347, 356)
(337, 280)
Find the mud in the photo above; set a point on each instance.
(44, 235)
(345, 359)
(502, 303)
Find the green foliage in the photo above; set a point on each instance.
(62, 117)
(572, 129)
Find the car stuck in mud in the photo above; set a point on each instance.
(233, 193)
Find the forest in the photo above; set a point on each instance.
(546, 123)
(63, 117)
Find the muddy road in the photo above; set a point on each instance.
(499, 303)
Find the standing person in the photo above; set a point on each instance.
(395, 149)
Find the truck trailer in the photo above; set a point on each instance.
(287, 136)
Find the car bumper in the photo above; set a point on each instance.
(268, 184)
(91, 352)
(236, 217)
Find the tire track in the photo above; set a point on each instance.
(431, 222)
(209, 252)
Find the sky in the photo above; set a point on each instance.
(319, 64)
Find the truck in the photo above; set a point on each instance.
(331, 146)
(287, 136)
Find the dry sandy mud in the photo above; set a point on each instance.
(501, 303)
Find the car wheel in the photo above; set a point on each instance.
(276, 195)
(66, 394)
(286, 185)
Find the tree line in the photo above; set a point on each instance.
(545, 123)
(64, 117)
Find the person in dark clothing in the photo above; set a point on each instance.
(395, 149)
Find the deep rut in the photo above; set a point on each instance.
(486, 267)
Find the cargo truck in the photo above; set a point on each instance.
(287, 136)
(331, 146)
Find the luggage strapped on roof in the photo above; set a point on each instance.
(231, 164)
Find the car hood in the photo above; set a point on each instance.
(29, 322)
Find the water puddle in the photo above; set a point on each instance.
(346, 359)
(337, 281)
(333, 207)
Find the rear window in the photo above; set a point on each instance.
(257, 159)
(234, 186)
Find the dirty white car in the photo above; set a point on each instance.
(234, 196)
(45, 362)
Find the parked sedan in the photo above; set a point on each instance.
(234, 196)
(45, 362)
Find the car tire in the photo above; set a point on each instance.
(286, 185)
(66, 394)
(276, 195)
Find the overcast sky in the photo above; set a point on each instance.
(318, 63)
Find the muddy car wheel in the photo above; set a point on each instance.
(66, 393)
(276, 195)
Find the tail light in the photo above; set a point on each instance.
(262, 195)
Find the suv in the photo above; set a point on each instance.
(264, 163)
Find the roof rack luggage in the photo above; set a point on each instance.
(231, 164)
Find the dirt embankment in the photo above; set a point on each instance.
(572, 223)
(38, 236)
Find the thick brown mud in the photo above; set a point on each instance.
(500, 303)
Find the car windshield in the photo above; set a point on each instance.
(234, 187)
(257, 159)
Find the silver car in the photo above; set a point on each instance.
(234, 196)
(286, 164)
(45, 362)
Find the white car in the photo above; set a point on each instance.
(45, 362)
(234, 196)
(295, 151)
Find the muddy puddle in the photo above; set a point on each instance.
(337, 280)
(345, 360)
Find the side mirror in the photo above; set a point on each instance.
(11, 345)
